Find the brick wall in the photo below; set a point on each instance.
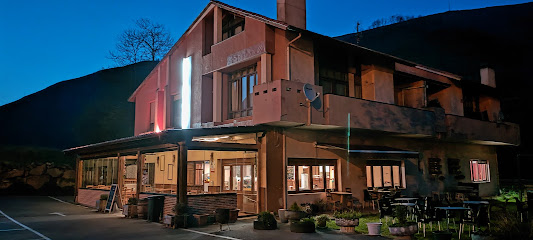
(203, 204)
(88, 197)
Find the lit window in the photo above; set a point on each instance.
(318, 177)
(330, 177)
(152, 117)
(304, 177)
(304, 172)
(383, 173)
(479, 171)
(241, 86)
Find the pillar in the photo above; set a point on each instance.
(182, 174)
(377, 84)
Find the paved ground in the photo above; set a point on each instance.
(46, 218)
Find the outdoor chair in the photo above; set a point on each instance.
(368, 198)
(355, 203)
(521, 210)
(385, 209)
(333, 205)
(426, 214)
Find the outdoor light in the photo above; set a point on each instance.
(186, 93)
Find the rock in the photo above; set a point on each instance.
(37, 181)
(69, 174)
(5, 184)
(62, 183)
(38, 170)
(54, 172)
(14, 173)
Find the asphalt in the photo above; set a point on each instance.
(42, 217)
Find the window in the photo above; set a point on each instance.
(100, 173)
(479, 171)
(231, 26)
(310, 175)
(195, 173)
(384, 173)
(152, 117)
(175, 120)
(334, 82)
(241, 87)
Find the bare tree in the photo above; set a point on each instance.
(147, 41)
(390, 20)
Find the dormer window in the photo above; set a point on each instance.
(231, 26)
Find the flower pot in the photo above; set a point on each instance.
(282, 217)
(142, 208)
(478, 236)
(442, 235)
(404, 230)
(168, 220)
(182, 221)
(293, 215)
(100, 205)
(129, 211)
(260, 225)
(302, 227)
(233, 215)
(374, 229)
(347, 225)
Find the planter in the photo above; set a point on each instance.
(222, 215)
(100, 205)
(168, 220)
(200, 219)
(282, 217)
(129, 211)
(302, 227)
(374, 229)
(404, 231)
(442, 235)
(142, 208)
(233, 215)
(182, 221)
(260, 225)
(347, 225)
(321, 225)
(293, 215)
(477, 236)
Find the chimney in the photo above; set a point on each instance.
(292, 12)
(487, 76)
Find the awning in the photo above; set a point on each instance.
(371, 151)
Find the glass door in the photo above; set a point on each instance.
(240, 176)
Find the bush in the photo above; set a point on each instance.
(307, 220)
(508, 226)
(400, 213)
(267, 218)
(322, 220)
(104, 196)
(133, 201)
(294, 207)
(349, 215)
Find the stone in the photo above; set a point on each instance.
(62, 183)
(38, 170)
(37, 181)
(69, 174)
(5, 184)
(54, 172)
(14, 173)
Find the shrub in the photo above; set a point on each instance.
(508, 226)
(181, 209)
(294, 207)
(133, 201)
(322, 220)
(400, 213)
(310, 220)
(349, 215)
(267, 218)
(104, 196)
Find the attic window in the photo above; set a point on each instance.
(231, 26)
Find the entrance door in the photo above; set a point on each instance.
(240, 176)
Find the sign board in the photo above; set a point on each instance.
(111, 199)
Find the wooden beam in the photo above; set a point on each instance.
(139, 174)
(78, 180)
(120, 179)
(221, 146)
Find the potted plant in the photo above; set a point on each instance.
(181, 218)
(265, 221)
(294, 212)
(100, 204)
(130, 210)
(402, 227)
(347, 220)
(304, 225)
(374, 228)
(282, 217)
(168, 220)
(322, 220)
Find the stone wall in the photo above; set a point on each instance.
(37, 179)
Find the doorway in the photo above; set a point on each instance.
(240, 176)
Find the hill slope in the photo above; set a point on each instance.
(85, 110)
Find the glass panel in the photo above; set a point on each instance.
(255, 178)
(236, 178)
(369, 176)
(387, 178)
(291, 186)
(318, 177)
(247, 178)
(251, 85)
(396, 175)
(199, 176)
(330, 177)
(326, 86)
(304, 172)
(377, 176)
(340, 89)
(190, 174)
(227, 177)
(244, 93)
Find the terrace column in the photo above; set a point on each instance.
(120, 178)
(139, 173)
(182, 173)
(78, 180)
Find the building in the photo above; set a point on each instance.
(255, 113)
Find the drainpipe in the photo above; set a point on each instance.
(289, 55)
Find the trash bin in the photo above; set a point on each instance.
(155, 208)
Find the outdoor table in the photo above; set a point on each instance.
(476, 202)
(404, 204)
(406, 199)
(451, 209)
(344, 197)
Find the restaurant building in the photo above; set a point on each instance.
(257, 113)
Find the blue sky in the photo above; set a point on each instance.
(45, 42)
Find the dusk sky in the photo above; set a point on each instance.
(45, 42)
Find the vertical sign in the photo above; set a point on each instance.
(111, 198)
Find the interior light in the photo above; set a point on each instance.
(186, 93)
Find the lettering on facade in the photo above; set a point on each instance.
(246, 54)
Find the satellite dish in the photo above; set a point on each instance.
(312, 96)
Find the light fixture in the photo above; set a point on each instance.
(186, 71)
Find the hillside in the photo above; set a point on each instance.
(85, 110)
(461, 42)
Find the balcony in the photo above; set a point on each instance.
(482, 132)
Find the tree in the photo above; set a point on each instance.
(146, 41)
(391, 20)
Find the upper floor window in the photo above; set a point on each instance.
(175, 120)
(335, 82)
(152, 117)
(384, 173)
(241, 87)
(231, 26)
(479, 171)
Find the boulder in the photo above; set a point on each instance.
(69, 174)
(54, 172)
(37, 181)
(62, 183)
(38, 170)
(14, 173)
(5, 184)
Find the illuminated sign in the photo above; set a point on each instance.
(186, 71)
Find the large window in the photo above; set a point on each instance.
(175, 119)
(479, 171)
(195, 173)
(100, 173)
(241, 87)
(308, 175)
(231, 25)
(385, 173)
(159, 172)
(333, 82)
